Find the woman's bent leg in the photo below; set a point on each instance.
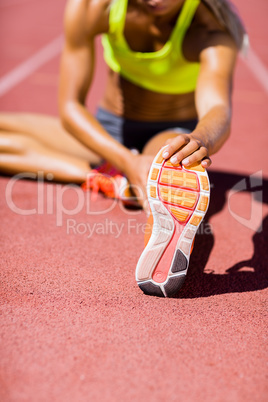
(47, 131)
(20, 153)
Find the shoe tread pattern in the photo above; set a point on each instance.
(177, 196)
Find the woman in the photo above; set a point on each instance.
(171, 64)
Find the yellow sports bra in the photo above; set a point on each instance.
(164, 71)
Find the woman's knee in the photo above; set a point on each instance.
(16, 143)
(161, 139)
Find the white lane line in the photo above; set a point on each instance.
(26, 68)
(257, 67)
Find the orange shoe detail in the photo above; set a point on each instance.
(178, 197)
(107, 186)
(180, 214)
(159, 158)
(197, 167)
(148, 229)
(203, 203)
(127, 192)
(192, 246)
(154, 174)
(195, 220)
(190, 181)
(97, 182)
(115, 186)
(204, 183)
(179, 178)
(153, 191)
(169, 164)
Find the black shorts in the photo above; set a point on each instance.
(135, 134)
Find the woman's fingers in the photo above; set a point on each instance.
(194, 157)
(187, 150)
(206, 162)
(183, 155)
(175, 144)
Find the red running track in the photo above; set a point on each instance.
(74, 326)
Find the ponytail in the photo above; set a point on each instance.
(228, 17)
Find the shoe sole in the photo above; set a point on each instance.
(179, 199)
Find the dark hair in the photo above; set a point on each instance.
(228, 16)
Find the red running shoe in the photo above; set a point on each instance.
(110, 183)
(179, 199)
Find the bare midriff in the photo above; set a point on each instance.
(130, 101)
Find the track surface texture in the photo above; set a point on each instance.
(74, 325)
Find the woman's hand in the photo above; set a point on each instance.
(137, 173)
(187, 149)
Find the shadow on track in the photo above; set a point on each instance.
(200, 283)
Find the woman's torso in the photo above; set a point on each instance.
(145, 33)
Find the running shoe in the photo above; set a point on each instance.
(178, 199)
(98, 182)
(111, 183)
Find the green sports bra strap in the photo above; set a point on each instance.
(117, 16)
(185, 18)
(118, 9)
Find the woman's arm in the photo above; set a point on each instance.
(213, 105)
(84, 20)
